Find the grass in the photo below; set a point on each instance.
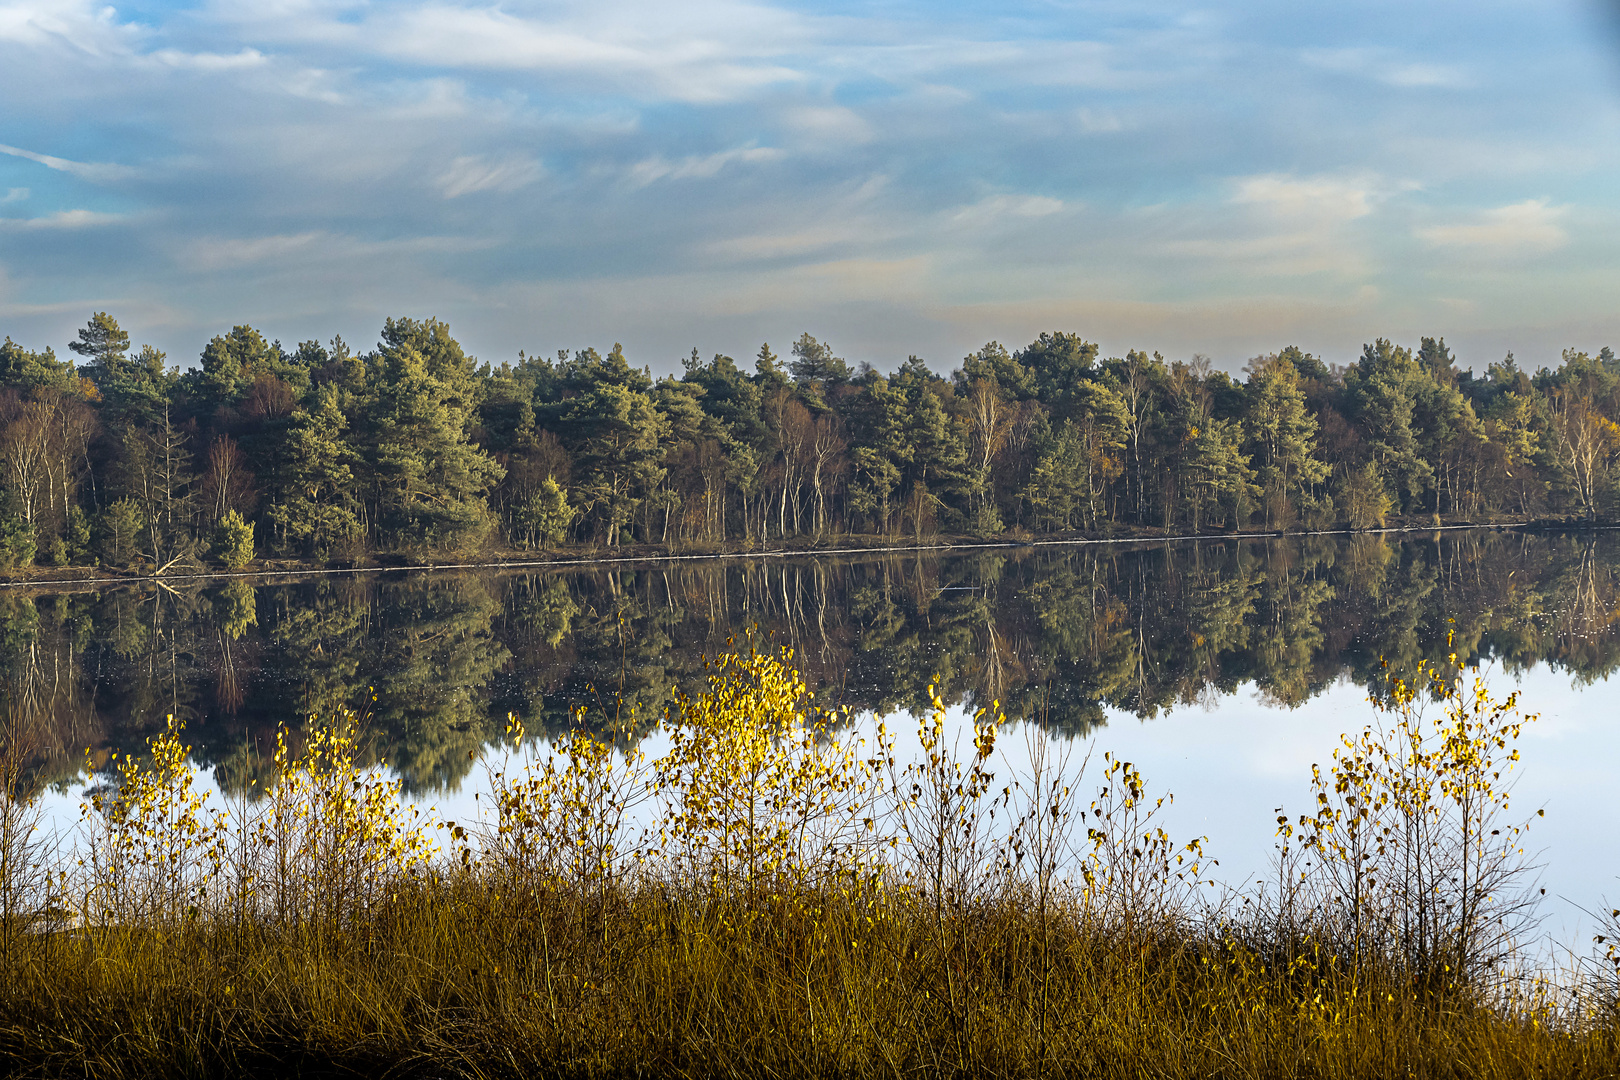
(799, 904)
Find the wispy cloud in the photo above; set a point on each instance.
(1004, 207)
(82, 27)
(1529, 227)
(1390, 67)
(318, 247)
(653, 169)
(16, 194)
(1098, 121)
(219, 252)
(474, 172)
(64, 219)
(633, 47)
(87, 170)
(1280, 225)
(829, 124)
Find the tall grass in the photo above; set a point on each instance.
(772, 895)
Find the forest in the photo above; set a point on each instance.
(113, 457)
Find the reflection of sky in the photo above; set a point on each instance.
(896, 177)
(1231, 766)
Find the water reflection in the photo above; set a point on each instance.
(1060, 636)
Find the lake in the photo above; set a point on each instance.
(1222, 667)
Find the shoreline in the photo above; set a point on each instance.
(290, 569)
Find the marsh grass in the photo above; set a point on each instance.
(774, 897)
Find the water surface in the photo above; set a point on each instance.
(1225, 667)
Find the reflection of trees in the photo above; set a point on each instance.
(1059, 635)
(1582, 627)
(1086, 651)
(39, 645)
(433, 651)
(1288, 632)
(235, 609)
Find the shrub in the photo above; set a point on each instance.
(119, 528)
(16, 541)
(233, 541)
(543, 518)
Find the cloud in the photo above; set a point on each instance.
(474, 172)
(348, 156)
(1276, 225)
(16, 194)
(87, 170)
(789, 244)
(1312, 199)
(1525, 227)
(1001, 207)
(1097, 121)
(318, 247)
(834, 124)
(84, 27)
(639, 49)
(1386, 66)
(205, 61)
(64, 219)
(657, 168)
(216, 252)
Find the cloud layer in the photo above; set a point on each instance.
(898, 178)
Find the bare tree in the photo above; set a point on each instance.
(827, 448)
(228, 484)
(1586, 441)
(42, 452)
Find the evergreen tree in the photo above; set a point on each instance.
(131, 391)
(120, 529)
(442, 358)
(1101, 422)
(231, 363)
(317, 509)
(1383, 387)
(614, 433)
(1059, 366)
(1281, 436)
(938, 468)
(233, 541)
(814, 366)
(34, 371)
(427, 480)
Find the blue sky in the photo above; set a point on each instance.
(896, 178)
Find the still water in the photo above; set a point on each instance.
(1223, 668)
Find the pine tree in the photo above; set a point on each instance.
(1384, 386)
(132, 391)
(427, 479)
(317, 508)
(614, 432)
(1281, 435)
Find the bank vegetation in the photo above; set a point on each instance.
(763, 890)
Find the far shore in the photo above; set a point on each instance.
(53, 579)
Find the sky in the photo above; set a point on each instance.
(895, 178)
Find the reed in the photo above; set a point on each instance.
(775, 897)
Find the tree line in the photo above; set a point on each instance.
(115, 457)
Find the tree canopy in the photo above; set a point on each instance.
(416, 446)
